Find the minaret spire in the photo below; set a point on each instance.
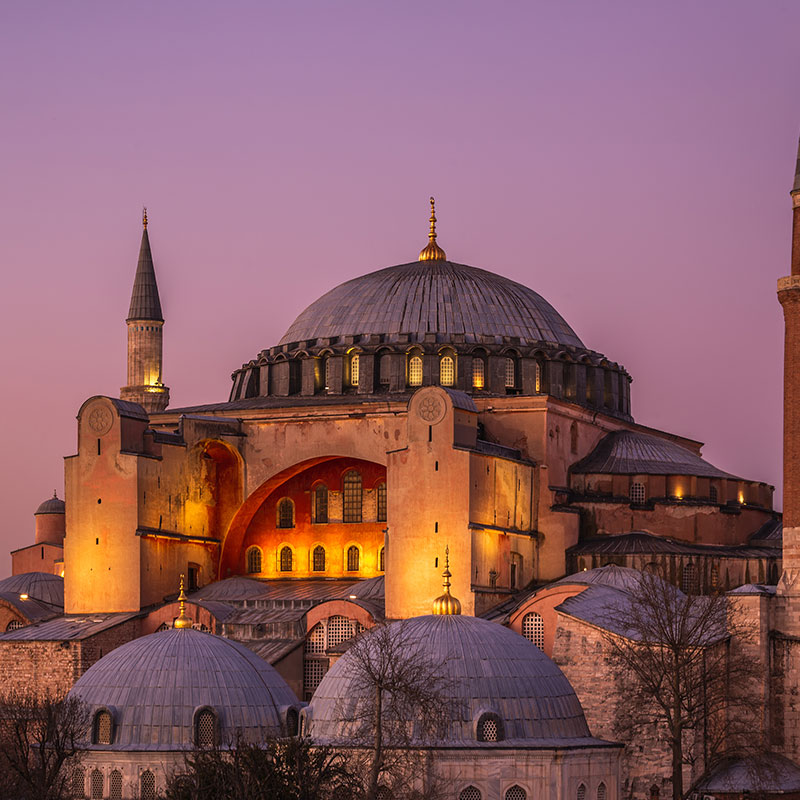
(432, 251)
(445, 603)
(145, 334)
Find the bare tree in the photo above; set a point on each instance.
(39, 738)
(402, 703)
(683, 668)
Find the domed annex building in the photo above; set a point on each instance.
(418, 407)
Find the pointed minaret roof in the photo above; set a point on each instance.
(145, 303)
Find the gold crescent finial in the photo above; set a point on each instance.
(446, 603)
(432, 251)
(144, 217)
(182, 620)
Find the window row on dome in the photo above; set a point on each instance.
(286, 560)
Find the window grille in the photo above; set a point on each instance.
(581, 792)
(314, 670)
(147, 786)
(286, 513)
(352, 558)
(638, 493)
(415, 371)
(204, 728)
(511, 373)
(601, 791)
(516, 792)
(286, 559)
(102, 728)
(354, 370)
(447, 371)
(115, 792)
(478, 381)
(163, 627)
(321, 503)
(538, 377)
(533, 629)
(78, 782)
(382, 560)
(315, 641)
(254, 560)
(15, 625)
(489, 728)
(96, 784)
(351, 496)
(381, 502)
(318, 559)
(327, 373)
(690, 583)
(340, 629)
(712, 494)
(470, 793)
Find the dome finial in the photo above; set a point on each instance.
(182, 621)
(144, 217)
(446, 603)
(432, 251)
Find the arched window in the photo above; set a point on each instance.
(447, 371)
(533, 629)
(147, 786)
(470, 793)
(638, 493)
(384, 369)
(773, 573)
(315, 641)
(581, 794)
(78, 782)
(205, 724)
(381, 559)
(353, 557)
(415, 371)
(286, 559)
(115, 785)
(478, 375)
(351, 496)
(712, 493)
(285, 513)
(321, 504)
(516, 792)
(254, 560)
(327, 373)
(354, 366)
(655, 792)
(14, 625)
(511, 373)
(96, 785)
(539, 380)
(489, 728)
(101, 731)
(381, 490)
(601, 791)
(340, 629)
(689, 582)
(292, 720)
(318, 559)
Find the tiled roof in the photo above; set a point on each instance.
(42, 586)
(441, 297)
(145, 303)
(33, 610)
(238, 588)
(71, 627)
(634, 453)
(761, 775)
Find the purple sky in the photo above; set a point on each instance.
(629, 161)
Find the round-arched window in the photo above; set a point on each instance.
(205, 728)
(447, 371)
(285, 513)
(415, 371)
(489, 728)
(103, 725)
(286, 559)
(533, 629)
(254, 560)
(318, 559)
(353, 558)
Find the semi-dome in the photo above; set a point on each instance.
(154, 688)
(439, 297)
(491, 672)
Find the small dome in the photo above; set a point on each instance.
(42, 586)
(154, 686)
(490, 669)
(53, 505)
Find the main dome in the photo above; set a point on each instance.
(433, 297)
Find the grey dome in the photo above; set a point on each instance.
(41, 586)
(490, 668)
(154, 685)
(53, 505)
(432, 297)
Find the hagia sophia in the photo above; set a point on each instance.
(424, 420)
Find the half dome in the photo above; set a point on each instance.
(155, 685)
(438, 297)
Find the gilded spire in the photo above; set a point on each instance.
(144, 217)
(182, 620)
(432, 251)
(446, 603)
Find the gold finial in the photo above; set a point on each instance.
(445, 603)
(182, 621)
(144, 217)
(432, 251)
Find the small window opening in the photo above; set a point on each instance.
(381, 502)
(204, 728)
(533, 629)
(147, 786)
(353, 558)
(436, 466)
(285, 513)
(286, 559)
(478, 373)
(96, 784)
(516, 792)
(381, 559)
(638, 494)
(321, 504)
(447, 371)
(98, 447)
(470, 793)
(254, 560)
(354, 369)
(489, 728)
(601, 791)
(352, 496)
(318, 559)
(581, 794)
(415, 371)
(511, 374)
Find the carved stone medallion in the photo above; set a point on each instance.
(100, 419)
(431, 409)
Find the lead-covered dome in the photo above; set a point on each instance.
(491, 673)
(155, 687)
(433, 297)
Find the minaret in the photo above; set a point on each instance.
(145, 328)
(789, 297)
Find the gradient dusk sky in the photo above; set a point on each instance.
(630, 161)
